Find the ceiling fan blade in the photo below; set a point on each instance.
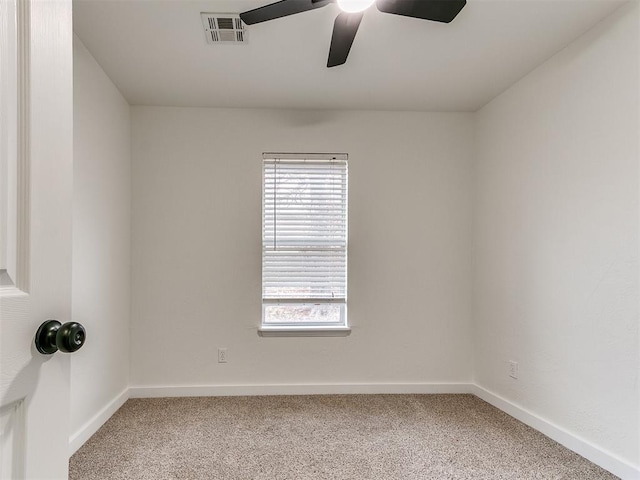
(437, 10)
(344, 32)
(281, 9)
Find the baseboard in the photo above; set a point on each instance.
(296, 389)
(92, 426)
(600, 457)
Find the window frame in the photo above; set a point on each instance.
(288, 329)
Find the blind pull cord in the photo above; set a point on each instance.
(275, 201)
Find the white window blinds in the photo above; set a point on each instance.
(304, 229)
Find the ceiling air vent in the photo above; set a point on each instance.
(223, 28)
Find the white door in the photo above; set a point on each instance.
(36, 147)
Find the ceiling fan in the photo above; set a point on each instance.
(348, 21)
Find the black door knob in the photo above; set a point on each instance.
(53, 336)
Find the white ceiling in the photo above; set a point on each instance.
(155, 52)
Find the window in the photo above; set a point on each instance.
(304, 244)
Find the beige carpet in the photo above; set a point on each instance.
(363, 437)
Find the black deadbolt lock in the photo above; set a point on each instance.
(53, 336)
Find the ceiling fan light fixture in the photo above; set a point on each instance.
(354, 6)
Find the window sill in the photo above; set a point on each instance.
(304, 331)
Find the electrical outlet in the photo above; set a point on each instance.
(513, 369)
(222, 355)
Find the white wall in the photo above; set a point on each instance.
(101, 244)
(556, 239)
(197, 247)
